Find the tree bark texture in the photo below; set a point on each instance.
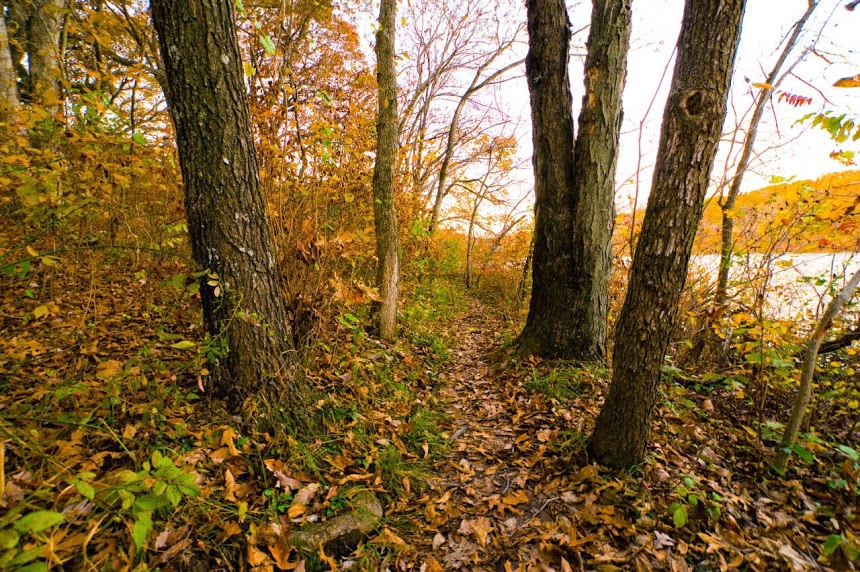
(227, 223)
(43, 52)
(8, 77)
(384, 208)
(573, 190)
(692, 124)
(595, 158)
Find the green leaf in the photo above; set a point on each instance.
(149, 503)
(184, 345)
(157, 458)
(679, 517)
(39, 521)
(8, 539)
(831, 544)
(26, 556)
(174, 495)
(139, 532)
(139, 139)
(803, 453)
(85, 489)
(39, 566)
(266, 40)
(851, 452)
(241, 8)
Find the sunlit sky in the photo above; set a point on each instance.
(783, 148)
(786, 149)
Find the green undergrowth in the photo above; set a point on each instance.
(112, 453)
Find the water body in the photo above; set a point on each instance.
(793, 285)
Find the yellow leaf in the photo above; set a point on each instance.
(297, 509)
(129, 432)
(108, 369)
(40, 311)
(853, 404)
(762, 85)
(515, 498)
(853, 81)
(256, 556)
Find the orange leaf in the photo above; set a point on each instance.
(853, 81)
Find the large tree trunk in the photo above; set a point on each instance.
(384, 208)
(573, 191)
(227, 222)
(43, 52)
(692, 123)
(8, 77)
(595, 157)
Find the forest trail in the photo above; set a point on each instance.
(495, 498)
(516, 492)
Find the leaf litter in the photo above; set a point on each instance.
(112, 462)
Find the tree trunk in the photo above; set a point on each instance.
(810, 356)
(43, 52)
(227, 222)
(527, 265)
(384, 208)
(595, 157)
(573, 191)
(8, 77)
(692, 123)
(470, 239)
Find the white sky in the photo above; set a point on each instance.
(785, 149)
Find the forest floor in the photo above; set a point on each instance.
(114, 459)
(516, 491)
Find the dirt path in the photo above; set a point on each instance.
(516, 491)
(495, 492)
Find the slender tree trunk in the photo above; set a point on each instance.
(384, 208)
(8, 77)
(227, 222)
(470, 239)
(692, 123)
(764, 96)
(527, 264)
(573, 191)
(810, 356)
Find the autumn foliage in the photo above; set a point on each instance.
(113, 456)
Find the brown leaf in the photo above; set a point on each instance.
(256, 557)
(108, 369)
(431, 565)
(516, 497)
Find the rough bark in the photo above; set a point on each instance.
(692, 123)
(384, 208)
(227, 222)
(43, 52)
(595, 158)
(8, 77)
(339, 535)
(573, 190)
(807, 370)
